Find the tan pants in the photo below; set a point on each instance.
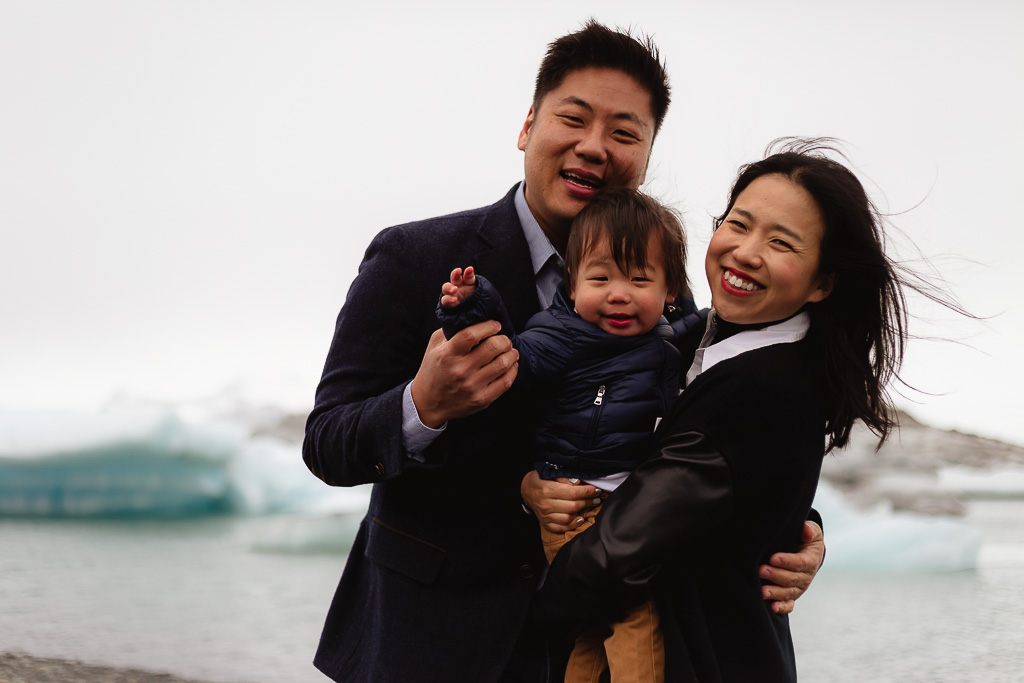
(631, 650)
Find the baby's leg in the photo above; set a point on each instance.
(636, 647)
(588, 662)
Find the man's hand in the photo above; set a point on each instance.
(463, 375)
(792, 573)
(558, 504)
(461, 287)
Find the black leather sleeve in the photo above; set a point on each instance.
(664, 510)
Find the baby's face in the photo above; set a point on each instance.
(621, 303)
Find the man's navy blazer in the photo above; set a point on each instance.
(439, 579)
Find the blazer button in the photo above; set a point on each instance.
(526, 571)
(380, 468)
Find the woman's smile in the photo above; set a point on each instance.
(739, 281)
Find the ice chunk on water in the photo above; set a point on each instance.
(110, 464)
(268, 476)
(975, 483)
(880, 540)
(151, 462)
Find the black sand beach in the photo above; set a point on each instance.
(17, 668)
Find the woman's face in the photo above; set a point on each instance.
(762, 263)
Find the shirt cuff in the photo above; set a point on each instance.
(416, 436)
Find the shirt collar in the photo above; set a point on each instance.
(540, 246)
(790, 330)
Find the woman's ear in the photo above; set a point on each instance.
(826, 283)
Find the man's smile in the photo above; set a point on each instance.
(583, 179)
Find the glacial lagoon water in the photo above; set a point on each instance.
(193, 598)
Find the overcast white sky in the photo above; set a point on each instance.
(187, 187)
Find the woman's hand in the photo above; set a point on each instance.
(792, 573)
(558, 504)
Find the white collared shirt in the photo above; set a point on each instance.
(708, 355)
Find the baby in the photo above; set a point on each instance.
(607, 369)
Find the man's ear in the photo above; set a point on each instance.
(643, 172)
(525, 132)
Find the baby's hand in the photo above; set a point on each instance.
(463, 284)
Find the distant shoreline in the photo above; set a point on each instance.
(21, 668)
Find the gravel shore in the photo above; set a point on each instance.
(17, 668)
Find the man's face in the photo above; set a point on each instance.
(594, 131)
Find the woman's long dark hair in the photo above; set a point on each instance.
(863, 323)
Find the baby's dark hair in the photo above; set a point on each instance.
(628, 219)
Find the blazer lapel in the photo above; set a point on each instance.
(505, 259)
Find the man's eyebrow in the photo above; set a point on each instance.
(778, 226)
(620, 116)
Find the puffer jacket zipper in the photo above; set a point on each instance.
(595, 417)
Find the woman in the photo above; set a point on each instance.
(806, 328)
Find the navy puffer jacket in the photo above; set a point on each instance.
(602, 393)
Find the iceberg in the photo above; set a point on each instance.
(306, 534)
(1006, 482)
(883, 541)
(112, 464)
(152, 463)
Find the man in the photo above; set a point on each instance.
(440, 576)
